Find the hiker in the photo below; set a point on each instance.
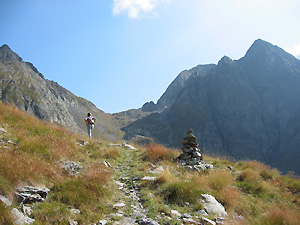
(90, 121)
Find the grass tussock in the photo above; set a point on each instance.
(155, 152)
(219, 179)
(112, 153)
(83, 190)
(280, 215)
(229, 197)
(250, 175)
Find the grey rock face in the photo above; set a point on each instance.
(247, 109)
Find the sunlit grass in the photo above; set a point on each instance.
(155, 152)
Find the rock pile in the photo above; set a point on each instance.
(29, 194)
(71, 168)
(191, 157)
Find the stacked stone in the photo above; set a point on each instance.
(191, 155)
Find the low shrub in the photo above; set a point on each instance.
(155, 152)
(181, 192)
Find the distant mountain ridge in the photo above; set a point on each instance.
(246, 109)
(23, 85)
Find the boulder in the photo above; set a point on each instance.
(19, 217)
(212, 206)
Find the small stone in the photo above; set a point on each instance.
(106, 164)
(129, 146)
(185, 215)
(26, 210)
(75, 211)
(119, 205)
(230, 167)
(206, 221)
(148, 221)
(202, 212)
(149, 178)
(72, 222)
(175, 213)
(2, 130)
(190, 221)
(83, 142)
(102, 222)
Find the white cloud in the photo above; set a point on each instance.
(295, 51)
(135, 7)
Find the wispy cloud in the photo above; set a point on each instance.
(295, 51)
(135, 7)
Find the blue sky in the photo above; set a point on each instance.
(120, 54)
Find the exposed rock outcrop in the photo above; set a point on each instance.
(246, 109)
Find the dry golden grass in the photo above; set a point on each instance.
(164, 177)
(281, 215)
(219, 179)
(250, 175)
(155, 152)
(18, 167)
(257, 165)
(229, 197)
(111, 153)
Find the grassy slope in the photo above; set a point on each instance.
(258, 193)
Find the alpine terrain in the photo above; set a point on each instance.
(23, 85)
(246, 109)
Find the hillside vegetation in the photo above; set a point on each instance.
(120, 184)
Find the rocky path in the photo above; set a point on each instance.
(128, 206)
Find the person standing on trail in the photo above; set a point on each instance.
(90, 123)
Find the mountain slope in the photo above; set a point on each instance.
(246, 109)
(23, 85)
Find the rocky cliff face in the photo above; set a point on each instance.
(23, 85)
(247, 108)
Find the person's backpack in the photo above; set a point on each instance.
(90, 121)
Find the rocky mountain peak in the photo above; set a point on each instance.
(261, 50)
(6, 54)
(5, 47)
(225, 60)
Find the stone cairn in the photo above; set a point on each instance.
(191, 157)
